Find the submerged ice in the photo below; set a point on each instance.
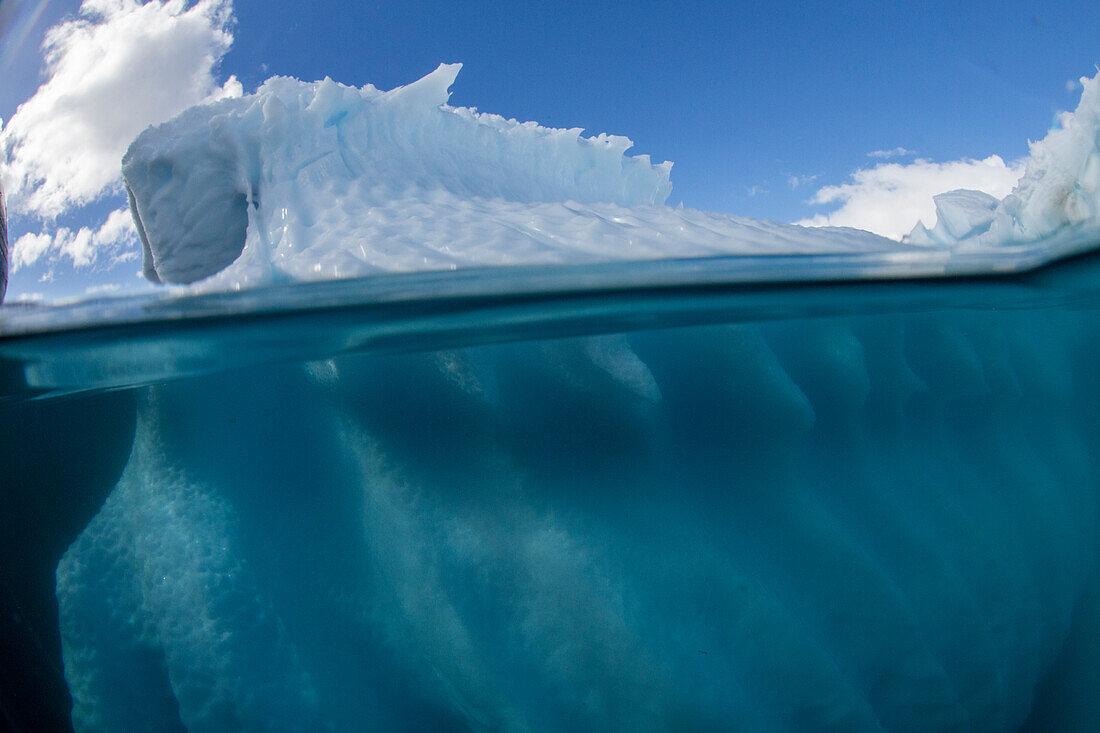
(870, 523)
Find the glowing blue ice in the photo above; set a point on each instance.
(865, 523)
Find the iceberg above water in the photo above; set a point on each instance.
(1060, 189)
(317, 181)
(311, 181)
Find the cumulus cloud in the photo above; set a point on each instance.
(116, 68)
(116, 238)
(890, 198)
(29, 248)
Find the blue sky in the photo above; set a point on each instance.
(760, 106)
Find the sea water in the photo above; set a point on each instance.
(397, 504)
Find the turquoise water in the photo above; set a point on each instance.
(468, 503)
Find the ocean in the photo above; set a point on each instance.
(556, 499)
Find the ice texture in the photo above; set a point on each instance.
(315, 181)
(308, 181)
(879, 522)
(1060, 189)
(959, 214)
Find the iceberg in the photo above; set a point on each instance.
(1059, 191)
(318, 181)
(310, 181)
(459, 500)
(960, 214)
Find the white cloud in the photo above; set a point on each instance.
(116, 235)
(890, 198)
(895, 153)
(115, 69)
(796, 181)
(119, 228)
(28, 249)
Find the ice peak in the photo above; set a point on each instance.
(431, 90)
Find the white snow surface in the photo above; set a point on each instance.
(1059, 189)
(311, 181)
